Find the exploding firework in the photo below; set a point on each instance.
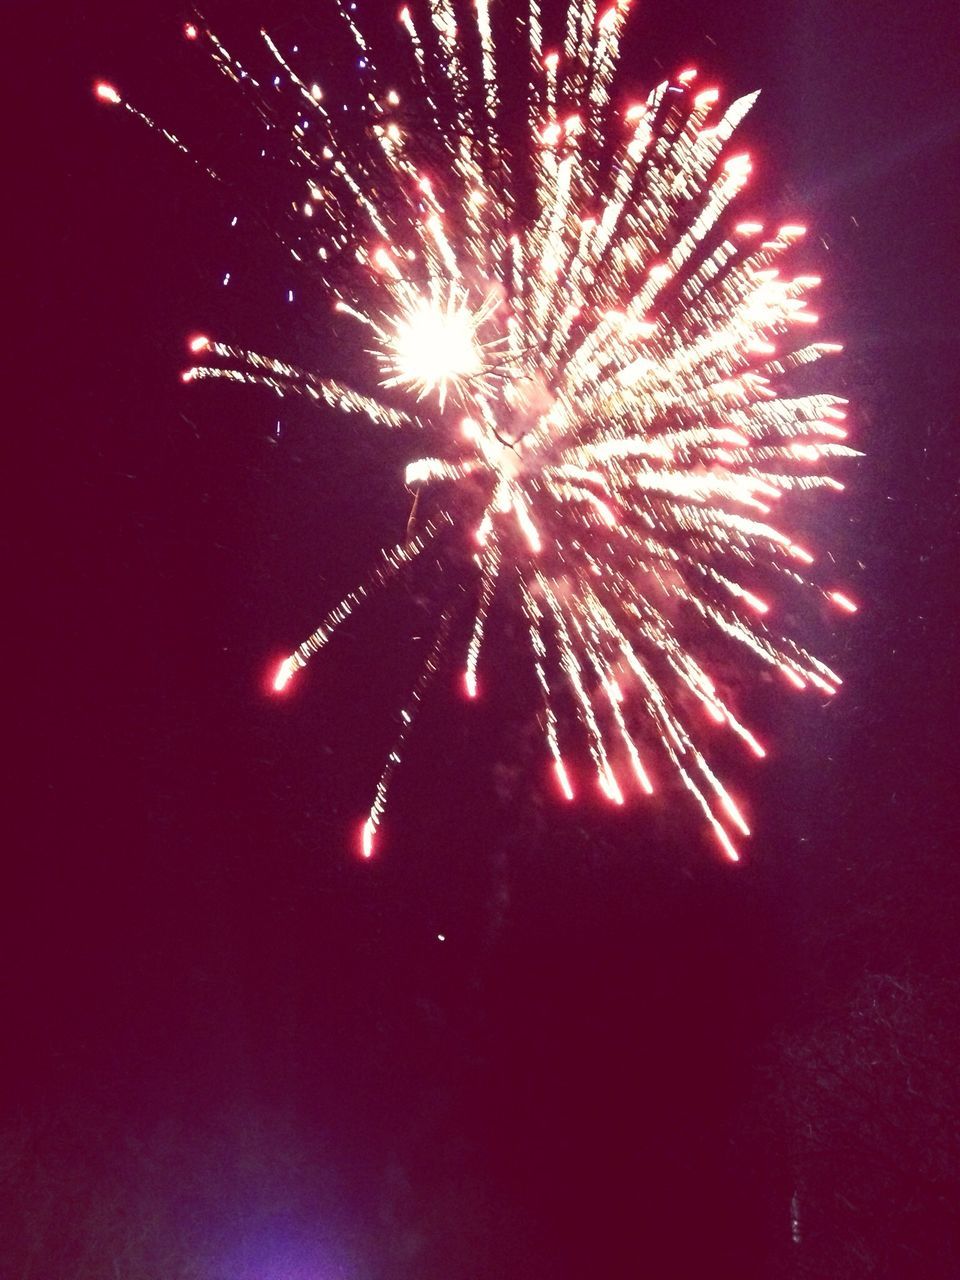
(597, 351)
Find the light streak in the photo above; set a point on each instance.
(843, 602)
(602, 374)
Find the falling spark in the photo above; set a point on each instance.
(107, 93)
(598, 354)
(843, 602)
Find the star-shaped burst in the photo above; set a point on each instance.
(599, 355)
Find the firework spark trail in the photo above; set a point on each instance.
(490, 572)
(407, 717)
(397, 558)
(603, 382)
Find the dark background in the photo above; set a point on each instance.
(231, 1048)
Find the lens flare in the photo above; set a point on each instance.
(597, 355)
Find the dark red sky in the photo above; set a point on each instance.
(574, 1075)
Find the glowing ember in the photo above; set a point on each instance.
(600, 365)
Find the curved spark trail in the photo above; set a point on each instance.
(596, 349)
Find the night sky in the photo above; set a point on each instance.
(229, 1044)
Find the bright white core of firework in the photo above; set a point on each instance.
(433, 348)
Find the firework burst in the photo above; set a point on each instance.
(593, 344)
